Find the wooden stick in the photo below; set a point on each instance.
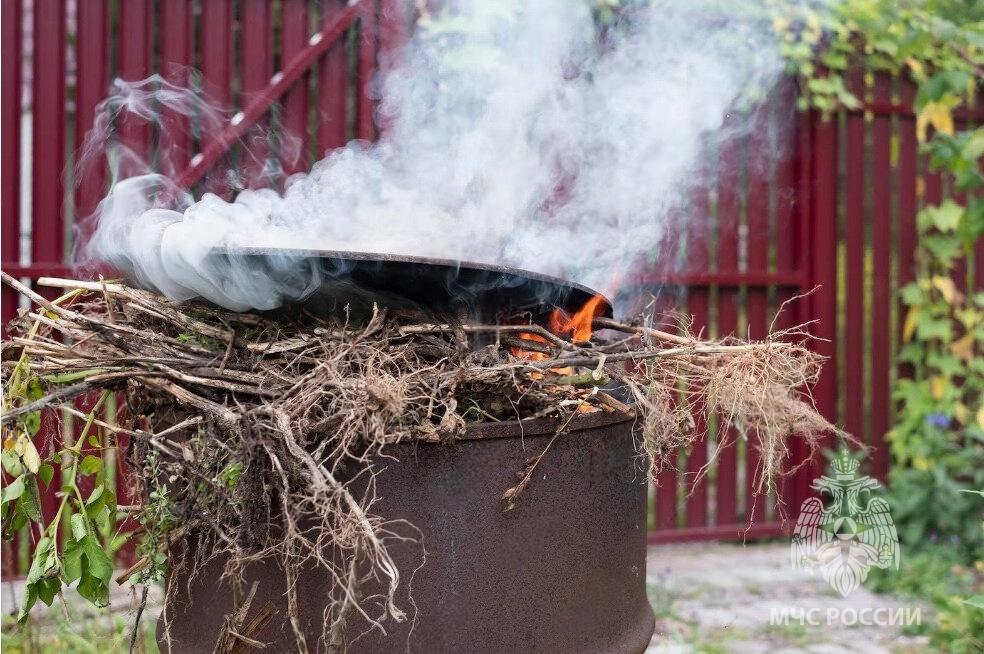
(479, 329)
(52, 398)
(692, 350)
(608, 323)
(58, 282)
(223, 415)
(532, 346)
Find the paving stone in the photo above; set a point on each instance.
(727, 594)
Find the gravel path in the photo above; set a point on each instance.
(715, 597)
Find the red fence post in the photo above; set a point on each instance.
(48, 127)
(10, 142)
(823, 245)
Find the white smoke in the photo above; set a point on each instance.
(512, 138)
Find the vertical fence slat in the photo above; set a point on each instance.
(823, 247)
(256, 55)
(134, 65)
(215, 51)
(332, 88)
(92, 56)
(12, 17)
(666, 482)
(365, 120)
(799, 486)
(48, 132)
(757, 306)
(854, 228)
(908, 180)
(177, 56)
(294, 123)
(394, 22)
(699, 258)
(788, 218)
(881, 252)
(728, 215)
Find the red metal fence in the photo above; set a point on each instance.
(793, 203)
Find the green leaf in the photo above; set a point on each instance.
(44, 562)
(973, 147)
(31, 422)
(11, 463)
(12, 491)
(72, 561)
(80, 528)
(97, 500)
(977, 601)
(30, 501)
(90, 465)
(14, 523)
(944, 248)
(974, 224)
(912, 294)
(946, 364)
(945, 217)
(96, 574)
(102, 566)
(48, 588)
(120, 539)
(46, 473)
(85, 560)
(34, 389)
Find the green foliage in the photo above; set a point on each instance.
(94, 632)
(937, 441)
(939, 577)
(937, 43)
(83, 558)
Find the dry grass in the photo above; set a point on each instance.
(248, 421)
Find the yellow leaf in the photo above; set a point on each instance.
(911, 321)
(921, 463)
(948, 289)
(938, 386)
(936, 114)
(31, 458)
(915, 66)
(960, 412)
(963, 347)
(980, 417)
(19, 446)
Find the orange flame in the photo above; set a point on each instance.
(578, 325)
(530, 354)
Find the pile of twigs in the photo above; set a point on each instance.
(294, 409)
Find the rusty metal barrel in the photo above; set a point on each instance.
(563, 571)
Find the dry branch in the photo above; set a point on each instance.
(261, 423)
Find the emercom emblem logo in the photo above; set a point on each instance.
(846, 532)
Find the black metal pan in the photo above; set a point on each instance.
(440, 286)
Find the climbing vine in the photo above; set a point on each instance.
(937, 441)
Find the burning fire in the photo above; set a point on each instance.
(530, 354)
(577, 326)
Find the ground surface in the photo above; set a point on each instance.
(708, 598)
(714, 597)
